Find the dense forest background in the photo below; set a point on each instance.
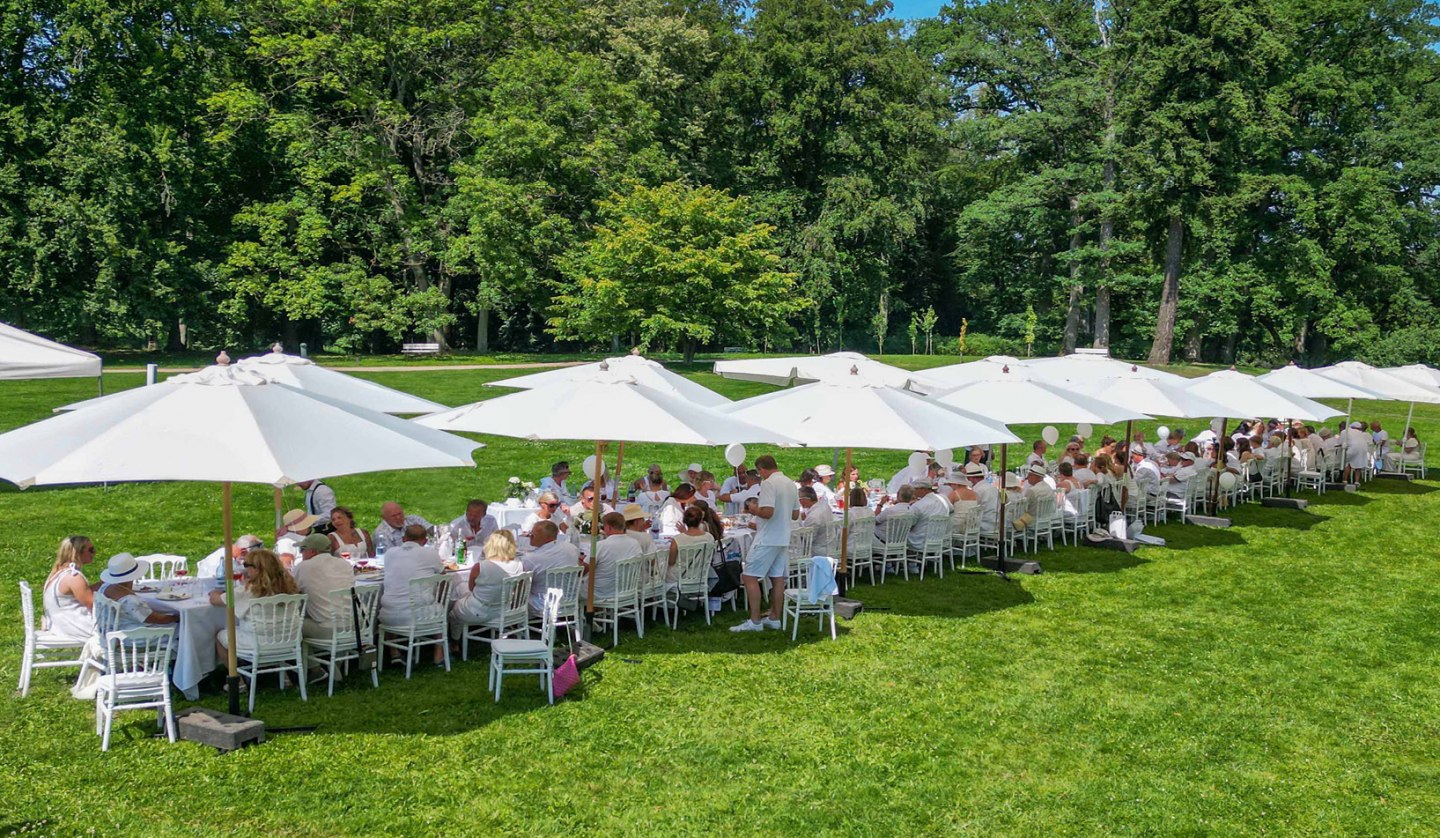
(1215, 180)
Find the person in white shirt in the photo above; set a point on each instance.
(213, 565)
(1145, 471)
(580, 518)
(411, 559)
(615, 546)
(707, 491)
(485, 599)
(548, 509)
(690, 474)
(928, 504)
(816, 513)
(1357, 450)
(637, 526)
(546, 553)
(1179, 478)
(476, 526)
(745, 487)
(68, 597)
(672, 511)
(117, 585)
(907, 475)
(555, 482)
(1083, 474)
(769, 553)
(1409, 452)
(1381, 439)
(319, 576)
(1037, 455)
(319, 498)
(888, 509)
(823, 491)
(390, 532)
(1035, 488)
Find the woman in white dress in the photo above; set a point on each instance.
(347, 537)
(487, 581)
(68, 597)
(694, 529)
(1409, 452)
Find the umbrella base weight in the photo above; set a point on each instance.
(586, 654)
(1285, 503)
(221, 731)
(847, 608)
(1124, 545)
(1207, 520)
(1012, 565)
(1393, 475)
(1342, 487)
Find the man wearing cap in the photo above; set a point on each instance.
(326, 579)
(390, 532)
(1145, 471)
(986, 493)
(1178, 477)
(927, 504)
(555, 482)
(1035, 487)
(637, 526)
(293, 527)
(889, 509)
(690, 474)
(546, 552)
(476, 525)
(814, 513)
(769, 554)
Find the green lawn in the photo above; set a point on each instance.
(1278, 677)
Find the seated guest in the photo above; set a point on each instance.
(1409, 452)
(615, 546)
(582, 514)
(694, 529)
(608, 491)
(477, 524)
(986, 494)
(637, 526)
(1072, 449)
(1381, 438)
(264, 576)
(213, 566)
(690, 474)
(823, 492)
(393, 522)
(296, 524)
(652, 484)
(908, 475)
(559, 473)
(736, 482)
(1083, 474)
(746, 485)
(1145, 472)
(67, 595)
(548, 510)
(1035, 486)
(412, 559)
(1107, 446)
(1065, 480)
(957, 489)
(1181, 468)
(345, 537)
(901, 506)
(484, 601)
(673, 509)
(977, 455)
(319, 576)
(927, 504)
(1037, 455)
(546, 552)
(859, 503)
(707, 491)
(712, 519)
(117, 585)
(813, 513)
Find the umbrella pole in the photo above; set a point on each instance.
(619, 462)
(1289, 453)
(279, 504)
(232, 679)
(595, 506)
(1219, 468)
(1000, 539)
(845, 526)
(1125, 486)
(1403, 436)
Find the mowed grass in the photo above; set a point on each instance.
(1276, 677)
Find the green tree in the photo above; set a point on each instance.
(680, 266)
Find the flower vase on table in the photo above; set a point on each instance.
(517, 492)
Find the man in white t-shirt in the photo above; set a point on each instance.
(546, 552)
(319, 576)
(412, 559)
(769, 553)
(928, 504)
(555, 482)
(615, 546)
(476, 525)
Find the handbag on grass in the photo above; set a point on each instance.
(566, 677)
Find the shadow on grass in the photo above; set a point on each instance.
(1192, 536)
(1093, 560)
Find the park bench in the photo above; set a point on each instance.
(420, 349)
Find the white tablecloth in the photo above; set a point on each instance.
(742, 537)
(507, 515)
(195, 635)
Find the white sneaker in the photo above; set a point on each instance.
(749, 625)
(770, 623)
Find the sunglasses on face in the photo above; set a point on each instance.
(549, 505)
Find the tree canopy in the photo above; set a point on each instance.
(1221, 180)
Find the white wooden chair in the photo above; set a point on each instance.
(337, 651)
(513, 619)
(137, 677)
(162, 566)
(40, 643)
(276, 621)
(891, 546)
(522, 656)
(654, 593)
(566, 580)
(860, 548)
(692, 566)
(1044, 519)
(936, 530)
(802, 542)
(426, 626)
(797, 599)
(1075, 526)
(624, 599)
(964, 534)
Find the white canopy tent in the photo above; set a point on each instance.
(645, 371)
(955, 375)
(25, 355)
(1087, 369)
(221, 425)
(805, 369)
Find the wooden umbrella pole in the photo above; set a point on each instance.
(232, 679)
(279, 504)
(1289, 453)
(845, 526)
(619, 463)
(596, 504)
(1000, 539)
(1219, 468)
(1125, 485)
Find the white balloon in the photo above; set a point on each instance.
(945, 457)
(1162, 433)
(589, 467)
(1228, 480)
(735, 453)
(1051, 434)
(1216, 424)
(1085, 430)
(918, 460)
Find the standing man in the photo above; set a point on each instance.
(559, 473)
(319, 499)
(769, 554)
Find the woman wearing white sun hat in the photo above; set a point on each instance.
(117, 584)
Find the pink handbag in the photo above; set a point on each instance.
(566, 678)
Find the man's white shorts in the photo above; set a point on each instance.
(768, 561)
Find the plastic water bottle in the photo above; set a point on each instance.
(380, 551)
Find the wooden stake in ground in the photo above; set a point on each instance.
(845, 525)
(232, 679)
(596, 504)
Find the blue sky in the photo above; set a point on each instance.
(908, 9)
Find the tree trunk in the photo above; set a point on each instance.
(1169, 293)
(1193, 340)
(1227, 355)
(482, 330)
(1072, 308)
(1107, 221)
(174, 336)
(291, 336)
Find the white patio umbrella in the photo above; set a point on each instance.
(1425, 376)
(807, 368)
(610, 407)
(1086, 369)
(1016, 394)
(645, 371)
(221, 425)
(1386, 386)
(955, 375)
(859, 412)
(1312, 384)
(27, 355)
